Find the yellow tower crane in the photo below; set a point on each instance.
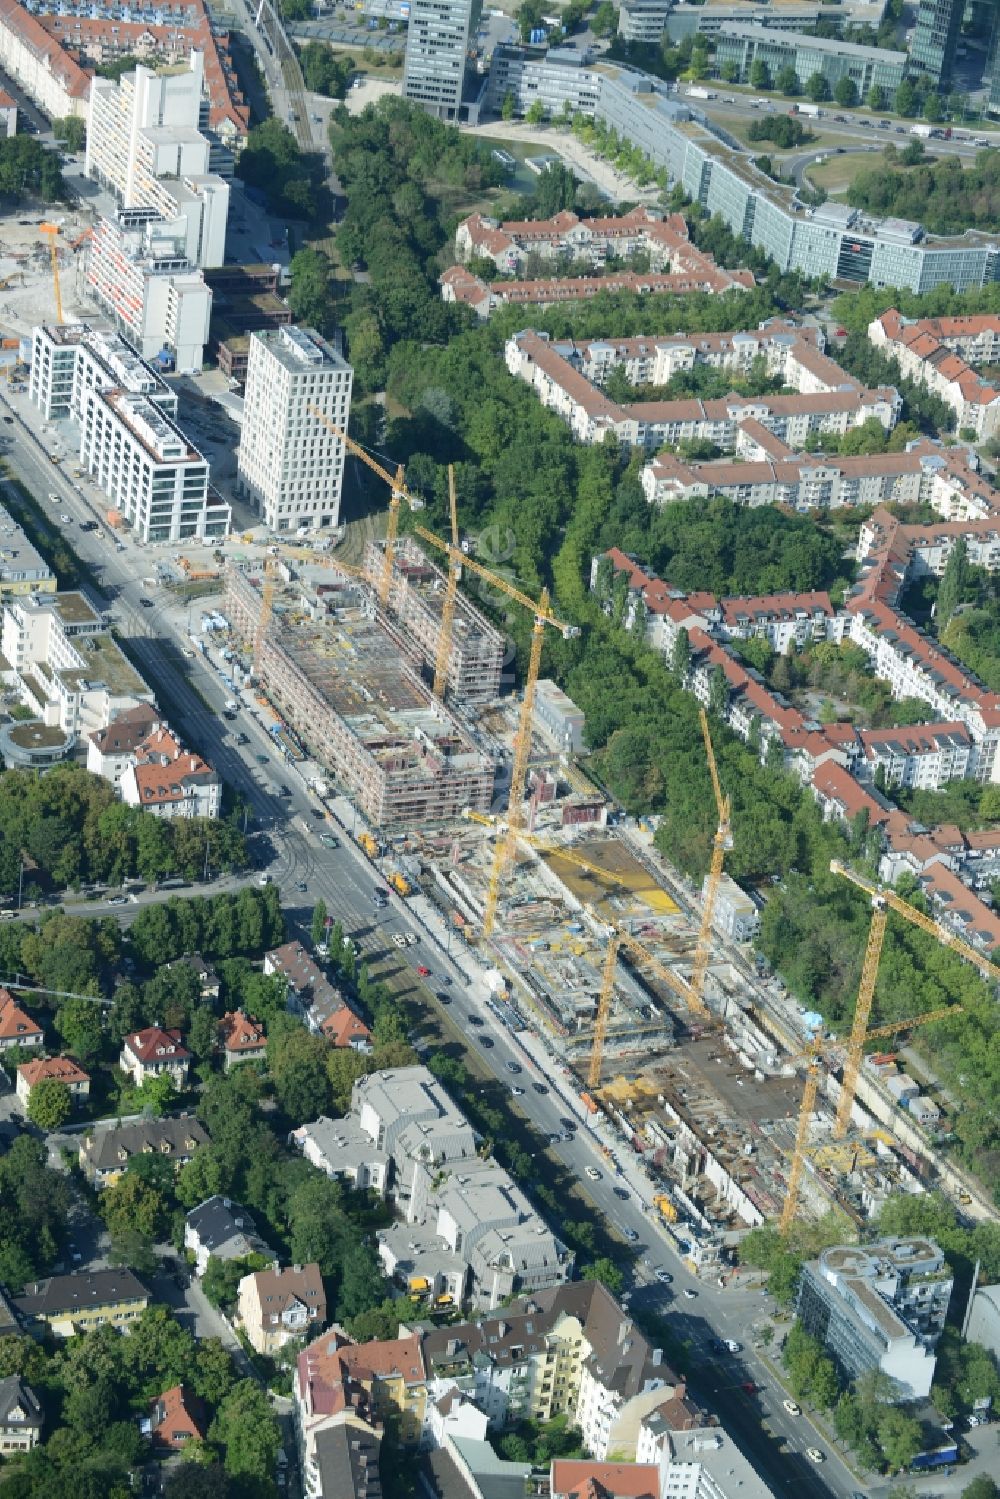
(397, 493)
(808, 1104)
(721, 844)
(543, 615)
(451, 596)
(882, 902)
(51, 233)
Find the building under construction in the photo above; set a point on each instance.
(338, 678)
(417, 592)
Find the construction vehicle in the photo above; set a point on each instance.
(397, 493)
(665, 1207)
(721, 845)
(400, 883)
(367, 842)
(51, 233)
(451, 596)
(882, 901)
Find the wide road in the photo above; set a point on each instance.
(286, 845)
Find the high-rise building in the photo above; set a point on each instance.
(291, 465)
(437, 48)
(139, 272)
(936, 37)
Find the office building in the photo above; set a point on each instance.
(437, 50)
(935, 37)
(129, 443)
(643, 21)
(291, 466)
(882, 1307)
(559, 79)
(743, 44)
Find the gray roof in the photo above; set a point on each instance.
(173, 1138)
(348, 1461)
(71, 1293)
(225, 1228)
(15, 1394)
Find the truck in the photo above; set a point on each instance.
(588, 1103)
(665, 1207)
(923, 131)
(367, 842)
(696, 92)
(400, 883)
(935, 1457)
(811, 111)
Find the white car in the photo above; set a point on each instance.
(593, 1173)
(54, 499)
(399, 940)
(65, 519)
(814, 1455)
(792, 1408)
(689, 1294)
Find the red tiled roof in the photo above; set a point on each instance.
(241, 1033)
(58, 1069)
(57, 63)
(154, 1044)
(584, 1478)
(177, 1417)
(14, 1023)
(343, 1027)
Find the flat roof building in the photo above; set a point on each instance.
(290, 464)
(881, 1306)
(437, 50)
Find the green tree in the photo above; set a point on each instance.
(79, 1023)
(877, 98)
(50, 1104)
(247, 1431)
(318, 928)
(507, 107)
(905, 100)
(604, 21)
(933, 108)
(296, 1060)
(760, 74)
(981, 1487)
(535, 114)
(362, 1284)
(954, 582)
(203, 1034)
(845, 92)
(899, 1436)
(680, 655)
(786, 80)
(132, 1204)
(607, 1272)
(72, 131)
(718, 694)
(817, 88)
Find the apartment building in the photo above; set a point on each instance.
(276, 1306)
(437, 49)
(939, 353)
(290, 464)
(345, 1463)
(310, 995)
(736, 915)
(417, 590)
(110, 750)
(923, 756)
(643, 21)
(553, 370)
(401, 754)
(879, 1307)
(340, 1384)
(49, 75)
(76, 1303)
(459, 285)
(105, 1153)
(692, 1456)
(141, 276)
(169, 781)
(23, 569)
(65, 665)
(465, 1230)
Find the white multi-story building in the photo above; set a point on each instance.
(144, 144)
(291, 465)
(129, 442)
(939, 353)
(139, 272)
(169, 781)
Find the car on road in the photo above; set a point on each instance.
(398, 940)
(593, 1173)
(689, 1294)
(317, 812)
(731, 1346)
(488, 1042)
(329, 840)
(540, 1087)
(88, 525)
(443, 998)
(792, 1408)
(302, 887)
(553, 1139)
(118, 900)
(243, 739)
(65, 520)
(423, 970)
(568, 1135)
(261, 759)
(631, 1235)
(513, 1067)
(748, 1387)
(664, 1277)
(476, 1020)
(516, 1091)
(146, 603)
(814, 1455)
(623, 1193)
(54, 499)
(568, 1123)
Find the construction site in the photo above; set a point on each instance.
(27, 290)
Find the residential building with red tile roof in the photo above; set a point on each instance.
(176, 1418)
(335, 1379)
(46, 71)
(155, 1052)
(242, 1038)
(459, 285)
(56, 1069)
(169, 781)
(320, 1003)
(584, 1478)
(17, 1029)
(936, 352)
(110, 750)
